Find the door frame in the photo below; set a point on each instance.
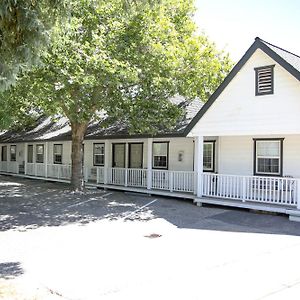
(113, 154)
(129, 154)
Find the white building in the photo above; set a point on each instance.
(241, 148)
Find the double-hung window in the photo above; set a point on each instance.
(209, 156)
(13, 153)
(40, 153)
(57, 153)
(160, 155)
(268, 157)
(98, 154)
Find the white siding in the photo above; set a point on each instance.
(176, 145)
(237, 154)
(237, 111)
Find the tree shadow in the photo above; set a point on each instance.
(10, 270)
(29, 204)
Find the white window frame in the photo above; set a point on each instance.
(36, 155)
(212, 162)
(99, 154)
(28, 153)
(279, 157)
(11, 153)
(166, 155)
(55, 154)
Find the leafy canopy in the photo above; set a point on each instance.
(24, 32)
(127, 62)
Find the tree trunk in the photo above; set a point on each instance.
(78, 132)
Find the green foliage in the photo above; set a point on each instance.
(128, 62)
(24, 32)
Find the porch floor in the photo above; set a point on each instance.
(267, 207)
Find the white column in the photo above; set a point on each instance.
(107, 156)
(46, 159)
(25, 158)
(298, 193)
(149, 163)
(198, 165)
(126, 164)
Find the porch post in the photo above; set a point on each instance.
(298, 193)
(46, 159)
(149, 163)
(198, 165)
(106, 161)
(25, 158)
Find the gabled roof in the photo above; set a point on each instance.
(46, 129)
(288, 60)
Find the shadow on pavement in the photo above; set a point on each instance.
(28, 204)
(10, 270)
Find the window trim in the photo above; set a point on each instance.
(54, 161)
(213, 142)
(113, 154)
(31, 145)
(257, 93)
(13, 146)
(255, 173)
(167, 160)
(94, 163)
(36, 154)
(2, 156)
(129, 153)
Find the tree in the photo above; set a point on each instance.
(125, 62)
(24, 32)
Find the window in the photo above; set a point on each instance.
(160, 155)
(98, 154)
(209, 156)
(13, 153)
(264, 80)
(57, 153)
(268, 157)
(39, 153)
(4, 153)
(30, 154)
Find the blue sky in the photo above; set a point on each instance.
(234, 24)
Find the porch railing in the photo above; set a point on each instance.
(261, 189)
(272, 190)
(9, 166)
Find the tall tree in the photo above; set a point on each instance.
(24, 32)
(127, 63)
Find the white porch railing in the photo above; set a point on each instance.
(9, 167)
(59, 171)
(267, 190)
(272, 190)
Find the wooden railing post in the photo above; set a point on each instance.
(171, 179)
(244, 189)
(126, 177)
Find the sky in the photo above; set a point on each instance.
(233, 25)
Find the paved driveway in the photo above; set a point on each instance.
(110, 245)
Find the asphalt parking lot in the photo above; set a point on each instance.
(112, 245)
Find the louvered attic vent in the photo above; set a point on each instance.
(264, 80)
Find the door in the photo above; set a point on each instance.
(118, 159)
(135, 155)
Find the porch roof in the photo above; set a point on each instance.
(46, 129)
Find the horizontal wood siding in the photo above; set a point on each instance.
(237, 111)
